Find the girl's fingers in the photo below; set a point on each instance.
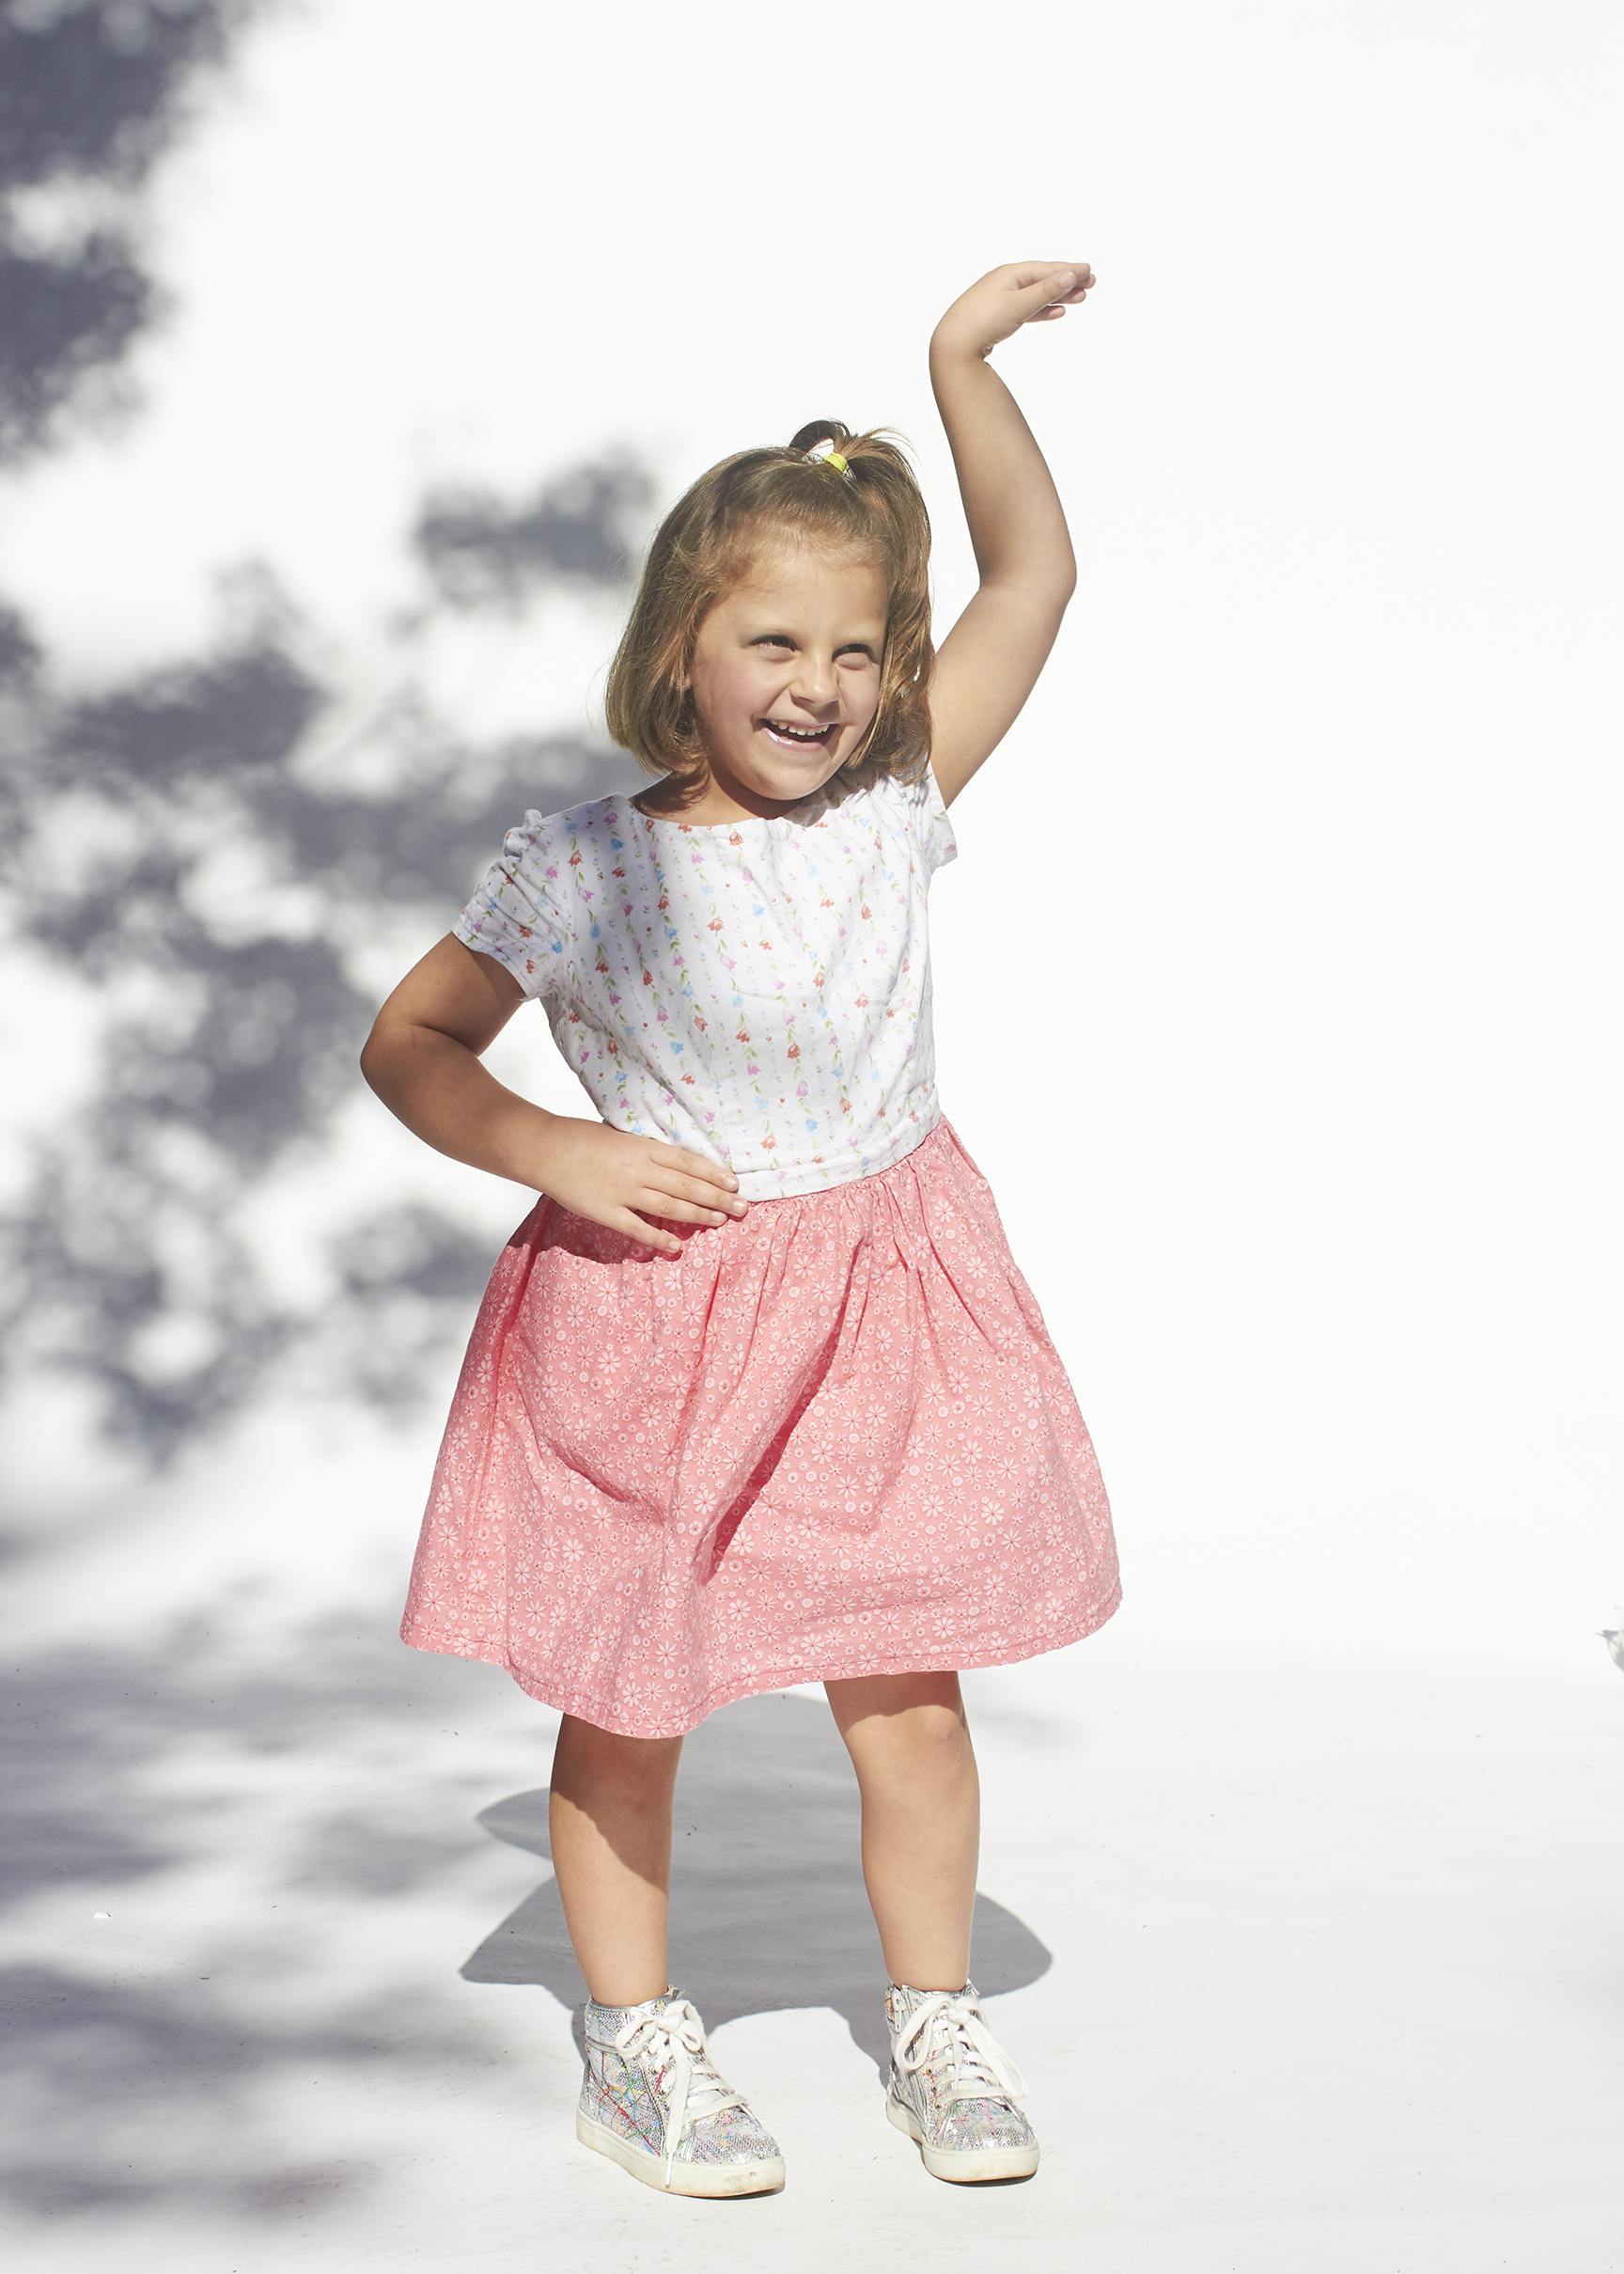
(705, 1202)
(706, 1192)
(678, 1212)
(693, 1165)
(644, 1235)
(635, 1222)
(709, 1187)
(1069, 281)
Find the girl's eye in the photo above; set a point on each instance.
(772, 639)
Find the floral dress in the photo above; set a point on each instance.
(828, 1440)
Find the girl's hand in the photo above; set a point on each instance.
(618, 1180)
(1024, 291)
(423, 1059)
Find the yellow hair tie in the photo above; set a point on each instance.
(825, 454)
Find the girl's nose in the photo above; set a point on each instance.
(815, 682)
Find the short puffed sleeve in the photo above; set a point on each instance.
(919, 807)
(521, 912)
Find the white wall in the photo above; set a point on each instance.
(1275, 976)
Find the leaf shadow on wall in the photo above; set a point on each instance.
(221, 1028)
(768, 1910)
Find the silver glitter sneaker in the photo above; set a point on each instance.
(953, 2088)
(651, 2099)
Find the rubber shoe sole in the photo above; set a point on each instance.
(964, 2166)
(764, 2177)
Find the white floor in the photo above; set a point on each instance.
(1308, 1970)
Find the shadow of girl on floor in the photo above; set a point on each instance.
(768, 1910)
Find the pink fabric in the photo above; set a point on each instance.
(831, 1439)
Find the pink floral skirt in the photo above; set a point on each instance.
(831, 1439)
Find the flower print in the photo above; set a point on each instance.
(793, 1051)
(714, 925)
(616, 871)
(742, 1035)
(574, 860)
(734, 837)
(865, 911)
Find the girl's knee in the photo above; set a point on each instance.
(903, 1725)
(890, 1697)
(932, 1732)
(605, 1757)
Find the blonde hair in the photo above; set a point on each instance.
(709, 540)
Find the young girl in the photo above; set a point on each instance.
(756, 1395)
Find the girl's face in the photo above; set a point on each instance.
(786, 677)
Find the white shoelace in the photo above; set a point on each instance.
(676, 2036)
(946, 2026)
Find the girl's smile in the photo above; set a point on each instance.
(786, 679)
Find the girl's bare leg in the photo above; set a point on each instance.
(910, 1745)
(611, 1823)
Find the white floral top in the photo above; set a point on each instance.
(758, 991)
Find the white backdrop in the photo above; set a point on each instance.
(1295, 890)
(1292, 886)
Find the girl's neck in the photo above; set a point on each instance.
(708, 806)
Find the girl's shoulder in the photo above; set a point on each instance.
(912, 803)
(598, 823)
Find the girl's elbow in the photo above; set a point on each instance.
(1051, 598)
(374, 1056)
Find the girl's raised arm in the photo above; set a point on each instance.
(989, 662)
